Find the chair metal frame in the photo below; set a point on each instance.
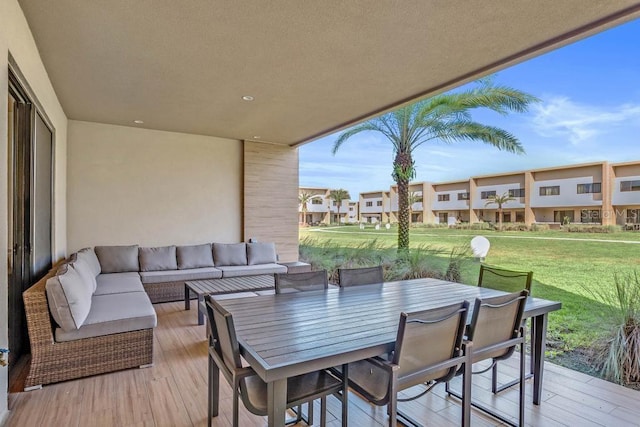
(236, 374)
(307, 281)
(398, 380)
(528, 279)
(360, 276)
(505, 349)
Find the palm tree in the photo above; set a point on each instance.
(445, 118)
(338, 196)
(499, 200)
(413, 198)
(303, 199)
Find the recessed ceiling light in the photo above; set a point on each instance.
(247, 98)
(138, 122)
(256, 137)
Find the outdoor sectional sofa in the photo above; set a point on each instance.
(93, 312)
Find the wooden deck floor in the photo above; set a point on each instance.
(173, 393)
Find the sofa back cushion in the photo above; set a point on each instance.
(69, 298)
(83, 268)
(194, 256)
(261, 253)
(118, 259)
(89, 255)
(158, 259)
(230, 253)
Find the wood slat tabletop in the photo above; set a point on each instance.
(289, 334)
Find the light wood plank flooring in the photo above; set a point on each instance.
(174, 392)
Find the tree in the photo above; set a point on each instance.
(303, 199)
(445, 118)
(499, 200)
(413, 198)
(338, 196)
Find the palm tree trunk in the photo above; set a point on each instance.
(402, 164)
(500, 219)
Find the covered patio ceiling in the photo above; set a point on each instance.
(312, 67)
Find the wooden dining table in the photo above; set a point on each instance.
(285, 335)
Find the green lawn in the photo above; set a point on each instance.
(565, 265)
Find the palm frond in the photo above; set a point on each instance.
(474, 131)
(344, 136)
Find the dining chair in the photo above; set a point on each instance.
(360, 276)
(496, 329)
(508, 281)
(224, 353)
(297, 282)
(429, 348)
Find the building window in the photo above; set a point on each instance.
(443, 217)
(350, 208)
(369, 204)
(563, 217)
(550, 191)
(486, 194)
(630, 185)
(463, 196)
(316, 201)
(379, 203)
(590, 216)
(443, 197)
(596, 187)
(516, 192)
(633, 216)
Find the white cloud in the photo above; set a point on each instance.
(560, 116)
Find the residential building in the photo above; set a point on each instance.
(375, 207)
(322, 210)
(600, 192)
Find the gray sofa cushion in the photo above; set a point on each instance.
(117, 283)
(69, 298)
(117, 259)
(89, 255)
(248, 270)
(261, 253)
(230, 254)
(158, 259)
(113, 314)
(149, 277)
(84, 270)
(194, 256)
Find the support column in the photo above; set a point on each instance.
(608, 214)
(473, 215)
(529, 216)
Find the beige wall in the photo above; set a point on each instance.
(501, 179)
(271, 196)
(129, 185)
(16, 40)
(570, 172)
(626, 170)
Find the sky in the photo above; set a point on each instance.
(589, 111)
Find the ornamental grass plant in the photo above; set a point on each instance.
(618, 353)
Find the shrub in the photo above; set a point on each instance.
(619, 354)
(515, 226)
(581, 228)
(474, 226)
(415, 264)
(457, 256)
(539, 227)
(428, 225)
(424, 261)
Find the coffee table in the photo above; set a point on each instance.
(228, 285)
